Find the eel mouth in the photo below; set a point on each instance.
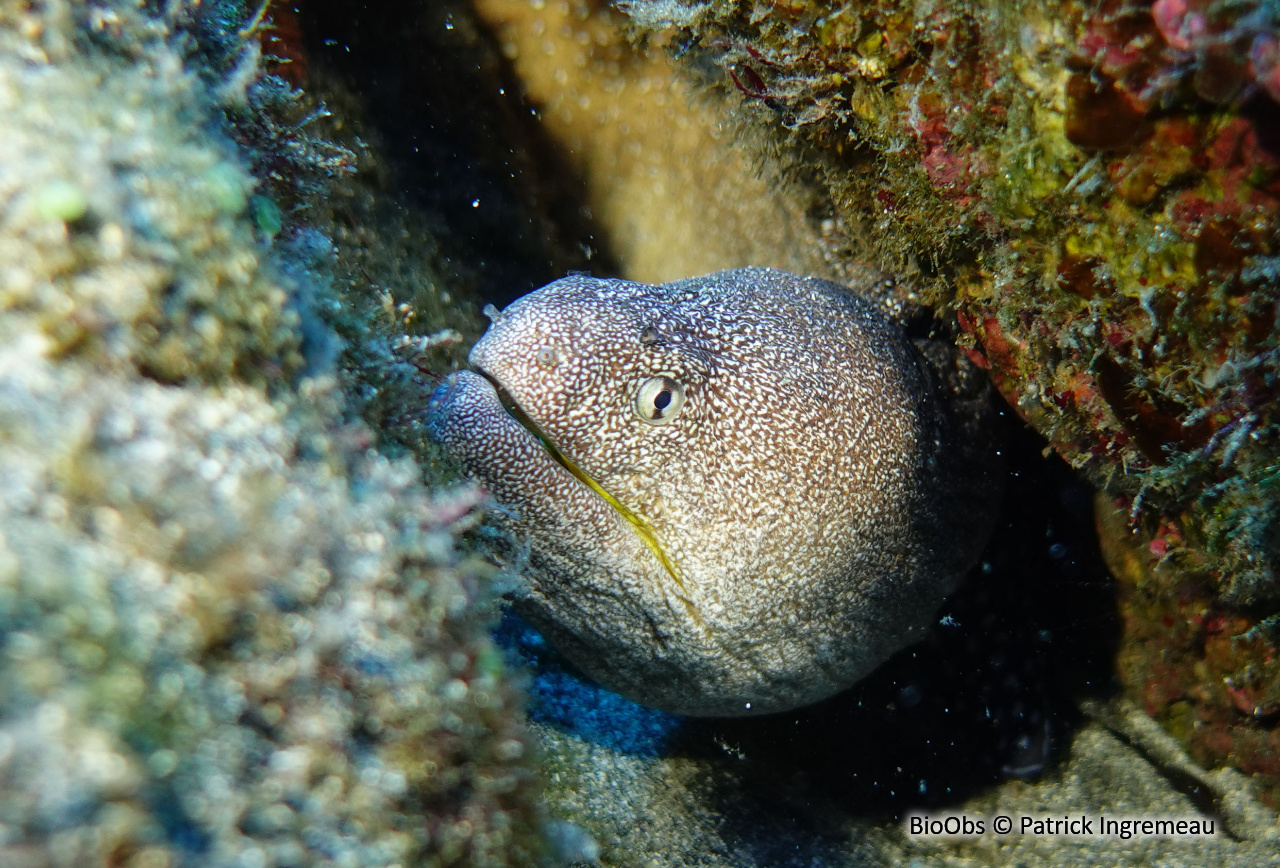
(642, 527)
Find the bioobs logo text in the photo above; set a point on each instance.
(952, 826)
(1078, 825)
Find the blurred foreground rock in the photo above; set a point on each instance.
(231, 633)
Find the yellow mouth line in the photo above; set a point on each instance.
(642, 527)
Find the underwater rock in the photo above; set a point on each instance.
(661, 170)
(124, 236)
(699, 807)
(231, 633)
(1206, 671)
(217, 650)
(741, 492)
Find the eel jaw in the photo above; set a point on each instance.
(641, 527)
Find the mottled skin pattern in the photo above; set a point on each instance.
(812, 498)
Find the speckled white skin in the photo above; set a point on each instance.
(810, 495)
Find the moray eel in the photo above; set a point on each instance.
(738, 493)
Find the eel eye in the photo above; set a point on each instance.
(659, 400)
(548, 356)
